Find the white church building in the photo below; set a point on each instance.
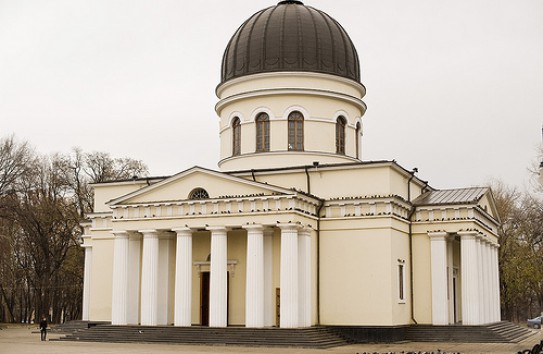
(295, 229)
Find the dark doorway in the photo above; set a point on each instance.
(455, 309)
(277, 307)
(204, 298)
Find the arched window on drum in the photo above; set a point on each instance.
(236, 137)
(341, 122)
(296, 131)
(262, 132)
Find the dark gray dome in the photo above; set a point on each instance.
(290, 37)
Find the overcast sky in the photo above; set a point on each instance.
(454, 87)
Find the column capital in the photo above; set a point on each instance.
(435, 235)
(217, 228)
(468, 234)
(149, 232)
(253, 227)
(183, 230)
(305, 231)
(290, 226)
(486, 240)
(120, 233)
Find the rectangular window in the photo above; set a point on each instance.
(401, 283)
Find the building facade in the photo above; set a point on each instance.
(295, 229)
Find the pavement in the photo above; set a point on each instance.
(26, 340)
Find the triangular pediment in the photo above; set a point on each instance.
(218, 185)
(488, 204)
(478, 199)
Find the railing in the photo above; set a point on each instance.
(537, 349)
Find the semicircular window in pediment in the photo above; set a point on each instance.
(198, 193)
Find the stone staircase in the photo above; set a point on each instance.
(76, 325)
(500, 332)
(314, 337)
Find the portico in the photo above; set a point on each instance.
(160, 248)
(477, 273)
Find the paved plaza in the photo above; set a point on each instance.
(26, 340)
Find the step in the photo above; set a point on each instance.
(504, 332)
(315, 337)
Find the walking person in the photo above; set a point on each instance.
(43, 328)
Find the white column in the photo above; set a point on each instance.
(438, 249)
(218, 297)
(480, 283)
(487, 282)
(450, 276)
(119, 297)
(470, 278)
(269, 309)
(496, 283)
(166, 266)
(305, 276)
(254, 286)
(87, 276)
(149, 278)
(134, 267)
(289, 306)
(493, 286)
(183, 278)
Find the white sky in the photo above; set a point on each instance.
(455, 87)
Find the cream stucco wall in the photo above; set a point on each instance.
(291, 80)
(102, 276)
(105, 192)
(359, 270)
(320, 98)
(359, 180)
(422, 278)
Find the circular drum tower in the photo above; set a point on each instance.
(290, 91)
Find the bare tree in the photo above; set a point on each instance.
(521, 252)
(15, 159)
(43, 201)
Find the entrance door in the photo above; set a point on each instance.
(204, 298)
(455, 297)
(277, 307)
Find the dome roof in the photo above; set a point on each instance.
(290, 37)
